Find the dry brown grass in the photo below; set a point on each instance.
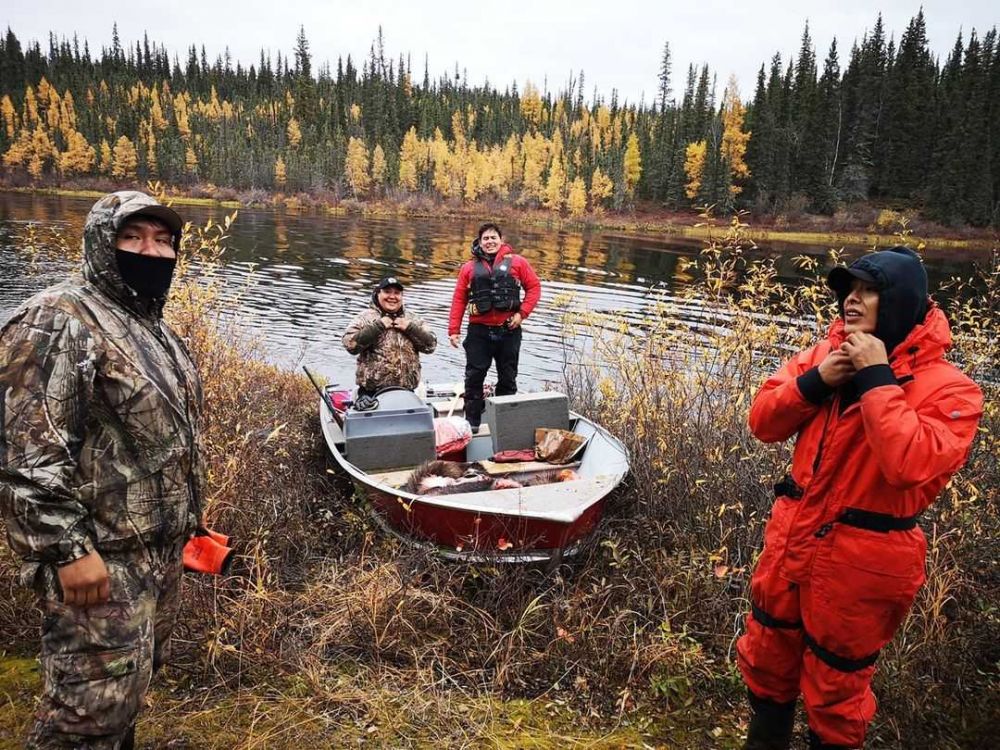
(330, 633)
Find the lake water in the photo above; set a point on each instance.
(313, 273)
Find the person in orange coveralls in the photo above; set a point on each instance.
(882, 422)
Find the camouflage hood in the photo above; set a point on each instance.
(100, 267)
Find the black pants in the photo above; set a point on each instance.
(484, 345)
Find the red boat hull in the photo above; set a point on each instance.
(465, 531)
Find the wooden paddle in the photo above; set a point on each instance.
(454, 401)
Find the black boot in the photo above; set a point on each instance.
(770, 724)
(128, 741)
(815, 743)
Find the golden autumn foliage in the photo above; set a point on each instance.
(293, 132)
(378, 166)
(601, 188)
(555, 186)
(633, 164)
(694, 168)
(79, 157)
(30, 108)
(734, 138)
(356, 167)
(19, 152)
(280, 173)
(107, 158)
(42, 152)
(9, 115)
(175, 136)
(181, 116)
(158, 121)
(531, 104)
(125, 160)
(576, 202)
(440, 157)
(410, 158)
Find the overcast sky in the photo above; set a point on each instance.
(617, 43)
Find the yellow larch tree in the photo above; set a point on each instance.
(555, 186)
(632, 164)
(9, 115)
(602, 125)
(19, 152)
(410, 155)
(504, 165)
(30, 108)
(531, 104)
(181, 115)
(601, 188)
(458, 131)
(79, 156)
(67, 115)
(536, 152)
(280, 173)
(734, 139)
(440, 156)
(294, 132)
(576, 202)
(107, 159)
(125, 159)
(694, 167)
(477, 174)
(156, 118)
(42, 151)
(356, 168)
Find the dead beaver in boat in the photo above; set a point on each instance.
(453, 477)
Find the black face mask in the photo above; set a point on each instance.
(146, 275)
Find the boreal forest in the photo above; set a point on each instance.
(874, 119)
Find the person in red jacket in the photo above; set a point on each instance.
(882, 422)
(491, 285)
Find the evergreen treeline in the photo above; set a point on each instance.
(893, 125)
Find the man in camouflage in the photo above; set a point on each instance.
(388, 341)
(100, 476)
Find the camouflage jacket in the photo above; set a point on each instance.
(99, 413)
(388, 356)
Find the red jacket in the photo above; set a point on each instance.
(520, 269)
(891, 451)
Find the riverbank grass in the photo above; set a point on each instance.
(332, 633)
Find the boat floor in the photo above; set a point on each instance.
(398, 477)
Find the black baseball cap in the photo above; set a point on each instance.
(388, 281)
(841, 277)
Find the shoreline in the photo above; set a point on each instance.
(669, 224)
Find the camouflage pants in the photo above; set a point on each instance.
(98, 661)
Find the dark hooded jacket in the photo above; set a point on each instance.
(99, 412)
(901, 281)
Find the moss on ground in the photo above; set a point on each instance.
(286, 717)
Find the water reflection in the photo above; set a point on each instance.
(313, 272)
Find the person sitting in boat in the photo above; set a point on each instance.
(388, 341)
